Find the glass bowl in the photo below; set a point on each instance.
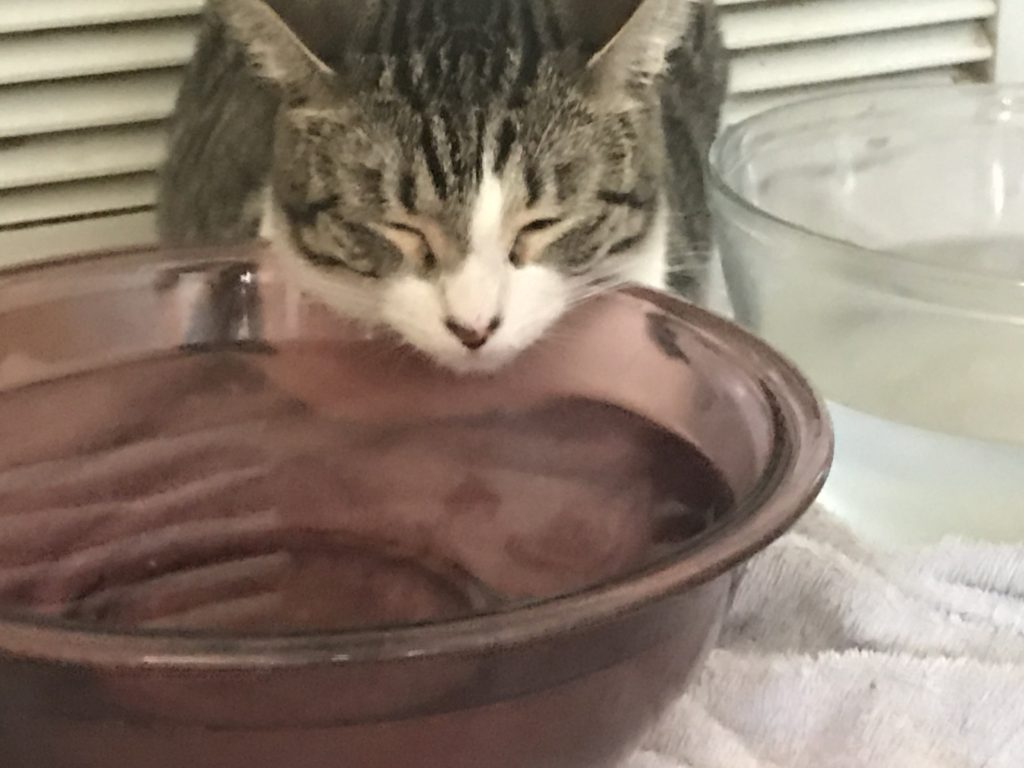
(877, 238)
(237, 531)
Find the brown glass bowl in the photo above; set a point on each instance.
(238, 532)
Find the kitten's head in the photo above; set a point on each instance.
(463, 171)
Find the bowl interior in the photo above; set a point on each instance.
(934, 174)
(189, 446)
(877, 238)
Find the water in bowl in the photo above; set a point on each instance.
(929, 433)
(997, 256)
(897, 483)
(201, 492)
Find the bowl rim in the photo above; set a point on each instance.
(797, 479)
(894, 99)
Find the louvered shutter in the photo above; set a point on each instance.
(780, 49)
(86, 84)
(84, 88)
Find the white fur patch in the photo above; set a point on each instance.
(475, 294)
(534, 298)
(486, 229)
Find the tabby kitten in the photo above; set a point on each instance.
(458, 171)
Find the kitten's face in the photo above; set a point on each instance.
(480, 187)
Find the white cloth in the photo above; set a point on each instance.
(840, 656)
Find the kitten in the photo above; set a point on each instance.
(458, 171)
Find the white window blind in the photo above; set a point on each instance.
(784, 49)
(86, 84)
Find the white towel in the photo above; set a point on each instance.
(840, 656)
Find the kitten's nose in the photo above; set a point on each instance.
(472, 338)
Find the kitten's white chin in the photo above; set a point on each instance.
(534, 299)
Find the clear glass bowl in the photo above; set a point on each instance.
(237, 532)
(877, 238)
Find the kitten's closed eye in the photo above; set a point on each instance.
(307, 214)
(329, 241)
(539, 225)
(535, 227)
(404, 228)
(426, 252)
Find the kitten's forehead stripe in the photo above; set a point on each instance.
(481, 135)
(426, 18)
(444, 55)
(428, 143)
(407, 192)
(402, 60)
(565, 181)
(506, 138)
(454, 144)
(373, 185)
(554, 29)
(433, 68)
(376, 31)
(498, 43)
(534, 183)
(400, 29)
(499, 71)
(530, 52)
(627, 199)
(499, 18)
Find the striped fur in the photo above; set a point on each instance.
(383, 130)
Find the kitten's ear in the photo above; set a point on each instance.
(275, 51)
(630, 41)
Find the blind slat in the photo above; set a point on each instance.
(859, 57)
(743, 106)
(36, 15)
(104, 233)
(103, 69)
(87, 155)
(781, 24)
(32, 109)
(80, 198)
(98, 51)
